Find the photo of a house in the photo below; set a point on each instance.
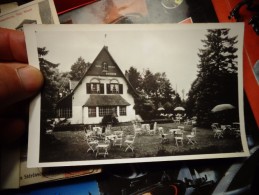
(103, 90)
(136, 93)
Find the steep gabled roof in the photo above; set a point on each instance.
(90, 69)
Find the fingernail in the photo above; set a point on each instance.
(30, 78)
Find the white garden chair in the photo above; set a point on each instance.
(130, 139)
(152, 131)
(218, 133)
(178, 137)
(192, 137)
(137, 129)
(118, 138)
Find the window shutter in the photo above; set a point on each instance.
(120, 89)
(108, 89)
(101, 88)
(88, 88)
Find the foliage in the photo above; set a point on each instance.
(134, 78)
(216, 81)
(51, 85)
(109, 119)
(155, 91)
(64, 88)
(78, 69)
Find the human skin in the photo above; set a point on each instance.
(19, 82)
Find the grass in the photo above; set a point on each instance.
(72, 146)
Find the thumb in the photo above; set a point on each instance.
(18, 82)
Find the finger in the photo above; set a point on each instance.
(11, 130)
(17, 110)
(12, 46)
(18, 82)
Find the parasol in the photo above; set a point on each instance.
(179, 109)
(222, 107)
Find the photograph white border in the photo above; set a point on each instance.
(34, 117)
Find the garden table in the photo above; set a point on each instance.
(102, 148)
(173, 131)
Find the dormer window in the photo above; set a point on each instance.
(105, 67)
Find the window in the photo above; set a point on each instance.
(107, 110)
(94, 88)
(91, 111)
(123, 111)
(114, 88)
(65, 112)
(105, 67)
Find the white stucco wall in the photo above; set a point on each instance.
(80, 113)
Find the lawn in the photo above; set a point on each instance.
(72, 146)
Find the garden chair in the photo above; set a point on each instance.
(91, 142)
(192, 137)
(152, 131)
(178, 137)
(218, 133)
(118, 138)
(180, 127)
(130, 139)
(108, 129)
(137, 129)
(164, 136)
(102, 148)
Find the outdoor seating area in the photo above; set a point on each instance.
(220, 131)
(152, 139)
(102, 143)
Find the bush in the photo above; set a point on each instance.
(109, 119)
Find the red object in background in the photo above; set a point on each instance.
(63, 6)
(251, 49)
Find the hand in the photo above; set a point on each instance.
(18, 83)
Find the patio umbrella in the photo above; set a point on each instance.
(160, 109)
(222, 107)
(179, 109)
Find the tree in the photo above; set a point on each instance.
(49, 95)
(154, 91)
(78, 69)
(217, 76)
(135, 78)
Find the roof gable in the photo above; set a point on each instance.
(96, 70)
(104, 65)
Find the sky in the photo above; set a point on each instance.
(159, 48)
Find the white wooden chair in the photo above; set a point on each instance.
(137, 129)
(180, 127)
(102, 148)
(164, 136)
(192, 137)
(118, 138)
(130, 139)
(152, 131)
(91, 142)
(218, 133)
(178, 137)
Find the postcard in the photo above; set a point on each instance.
(136, 93)
(35, 12)
(7, 6)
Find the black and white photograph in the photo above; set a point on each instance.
(136, 93)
